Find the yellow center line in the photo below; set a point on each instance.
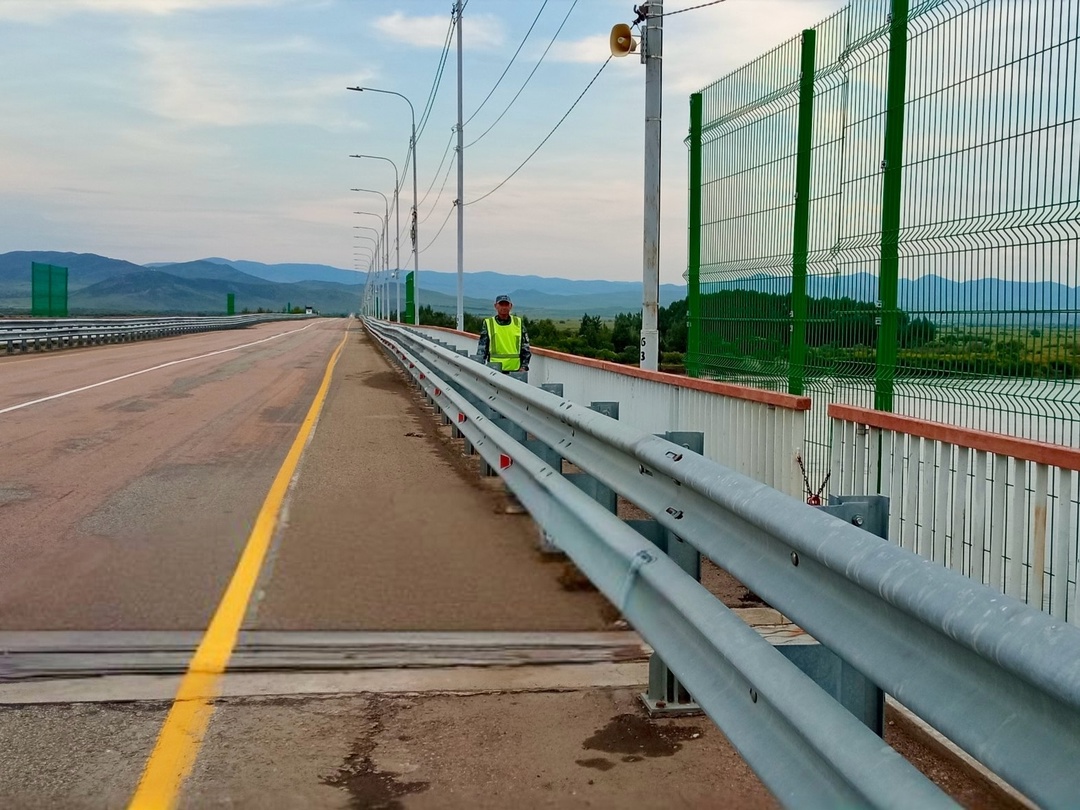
(189, 716)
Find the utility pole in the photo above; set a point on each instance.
(652, 54)
(460, 186)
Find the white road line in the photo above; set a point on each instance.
(146, 371)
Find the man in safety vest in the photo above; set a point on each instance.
(503, 339)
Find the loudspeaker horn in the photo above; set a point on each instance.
(622, 41)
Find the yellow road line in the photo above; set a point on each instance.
(185, 726)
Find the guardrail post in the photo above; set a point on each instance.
(849, 687)
(602, 494)
(610, 409)
(554, 460)
(666, 695)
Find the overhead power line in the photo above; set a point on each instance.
(527, 78)
(441, 190)
(426, 114)
(437, 233)
(435, 176)
(557, 125)
(511, 62)
(689, 8)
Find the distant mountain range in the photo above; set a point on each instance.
(99, 285)
(935, 296)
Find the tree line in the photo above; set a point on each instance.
(617, 339)
(747, 331)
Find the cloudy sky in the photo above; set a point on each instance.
(172, 130)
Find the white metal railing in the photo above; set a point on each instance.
(1001, 510)
(760, 434)
(56, 333)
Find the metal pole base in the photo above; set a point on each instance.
(661, 708)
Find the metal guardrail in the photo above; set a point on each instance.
(997, 677)
(40, 333)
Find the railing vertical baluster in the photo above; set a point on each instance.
(909, 518)
(927, 505)
(995, 578)
(771, 439)
(885, 482)
(846, 483)
(1039, 515)
(1017, 542)
(858, 483)
(757, 430)
(978, 518)
(896, 488)
(1063, 532)
(942, 487)
(795, 445)
(873, 467)
(959, 511)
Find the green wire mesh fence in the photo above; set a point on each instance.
(888, 215)
(885, 213)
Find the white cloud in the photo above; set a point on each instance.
(203, 84)
(43, 11)
(480, 30)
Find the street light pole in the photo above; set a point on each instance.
(460, 184)
(385, 229)
(374, 252)
(386, 212)
(415, 230)
(397, 225)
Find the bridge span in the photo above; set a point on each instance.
(252, 569)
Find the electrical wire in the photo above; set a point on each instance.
(512, 58)
(435, 176)
(689, 8)
(537, 149)
(437, 82)
(436, 203)
(436, 236)
(527, 78)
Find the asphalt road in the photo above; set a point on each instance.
(124, 505)
(130, 481)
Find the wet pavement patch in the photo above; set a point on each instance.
(599, 763)
(636, 737)
(370, 788)
(384, 381)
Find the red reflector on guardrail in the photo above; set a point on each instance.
(438, 392)
(422, 377)
(461, 417)
(504, 461)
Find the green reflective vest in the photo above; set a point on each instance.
(505, 342)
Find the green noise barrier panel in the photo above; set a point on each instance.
(49, 291)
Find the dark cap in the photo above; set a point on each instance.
(500, 298)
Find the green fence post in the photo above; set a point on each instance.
(801, 235)
(693, 251)
(230, 303)
(888, 332)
